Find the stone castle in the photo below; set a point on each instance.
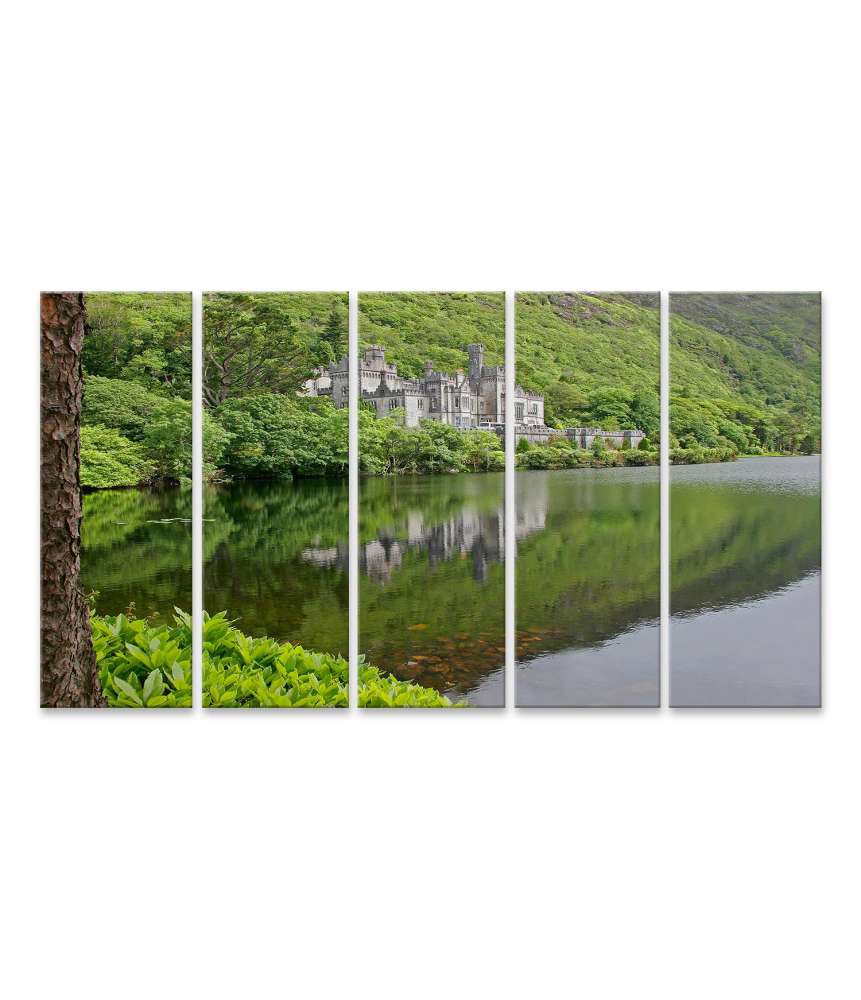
(472, 400)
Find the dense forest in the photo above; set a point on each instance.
(136, 417)
(258, 350)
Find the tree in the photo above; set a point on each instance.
(609, 404)
(335, 332)
(252, 345)
(70, 677)
(563, 403)
(140, 338)
(646, 410)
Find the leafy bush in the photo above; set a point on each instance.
(386, 447)
(279, 435)
(636, 457)
(124, 405)
(241, 671)
(108, 459)
(560, 455)
(701, 456)
(167, 439)
(379, 690)
(142, 665)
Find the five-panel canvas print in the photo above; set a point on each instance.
(447, 464)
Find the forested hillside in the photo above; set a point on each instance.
(415, 327)
(596, 358)
(745, 368)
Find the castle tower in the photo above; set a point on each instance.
(476, 360)
(375, 357)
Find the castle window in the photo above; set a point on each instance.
(518, 411)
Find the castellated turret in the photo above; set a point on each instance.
(476, 360)
(375, 357)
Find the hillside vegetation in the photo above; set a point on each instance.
(415, 327)
(745, 369)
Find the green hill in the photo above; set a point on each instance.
(415, 327)
(745, 369)
(596, 358)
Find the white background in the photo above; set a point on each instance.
(453, 146)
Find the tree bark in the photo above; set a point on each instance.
(69, 674)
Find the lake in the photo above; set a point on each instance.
(588, 587)
(275, 557)
(745, 583)
(136, 551)
(745, 559)
(432, 581)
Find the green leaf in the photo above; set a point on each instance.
(153, 685)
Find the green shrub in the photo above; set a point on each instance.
(108, 459)
(167, 440)
(388, 448)
(635, 457)
(701, 456)
(123, 405)
(142, 665)
(379, 690)
(240, 671)
(274, 435)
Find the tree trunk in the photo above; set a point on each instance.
(69, 674)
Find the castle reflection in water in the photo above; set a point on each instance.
(479, 536)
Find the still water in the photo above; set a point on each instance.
(588, 587)
(275, 557)
(432, 581)
(136, 551)
(745, 579)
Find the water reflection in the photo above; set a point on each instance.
(588, 587)
(432, 584)
(136, 550)
(276, 559)
(745, 558)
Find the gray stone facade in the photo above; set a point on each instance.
(472, 400)
(467, 400)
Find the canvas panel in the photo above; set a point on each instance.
(432, 507)
(745, 503)
(116, 499)
(587, 417)
(276, 562)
